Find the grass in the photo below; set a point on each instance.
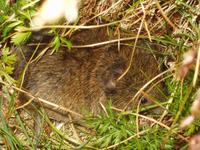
(172, 26)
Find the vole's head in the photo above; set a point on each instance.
(122, 79)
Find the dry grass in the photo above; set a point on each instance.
(172, 25)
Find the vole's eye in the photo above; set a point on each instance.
(144, 100)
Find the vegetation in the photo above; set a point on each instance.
(172, 25)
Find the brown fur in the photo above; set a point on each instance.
(82, 79)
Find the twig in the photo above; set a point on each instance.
(152, 120)
(145, 86)
(164, 16)
(99, 43)
(142, 132)
(40, 100)
(73, 129)
(196, 73)
(133, 51)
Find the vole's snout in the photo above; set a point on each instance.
(110, 85)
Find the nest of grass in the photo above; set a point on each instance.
(157, 18)
(171, 25)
